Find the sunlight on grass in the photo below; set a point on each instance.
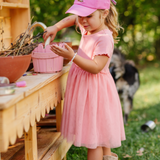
(149, 92)
(147, 96)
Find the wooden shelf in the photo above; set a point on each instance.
(14, 5)
(14, 19)
(47, 121)
(50, 145)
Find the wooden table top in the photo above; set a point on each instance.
(34, 83)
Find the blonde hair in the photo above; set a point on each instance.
(111, 21)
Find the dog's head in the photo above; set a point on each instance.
(117, 64)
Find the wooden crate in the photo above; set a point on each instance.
(14, 19)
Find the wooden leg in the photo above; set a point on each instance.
(0, 155)
(65, 157)
(31, 144)
(59, 110)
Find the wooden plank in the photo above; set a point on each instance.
(7, 117)
(7, 101)
(19, 21)
(50, 116)
(31, 144)
(58, 150)
(5, 25)
(49, 120)
(25, 2)
(12, 150)
(65, 157)
(34, 83)
(42, 80)
(46, 138)
(20, 155)
(59, 110)
(47, 123)
(14, 5)
(50, 94)
(51, 146)
(15, 22)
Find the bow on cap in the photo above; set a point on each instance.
(114, 2)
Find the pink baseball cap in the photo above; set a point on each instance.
(86, 7)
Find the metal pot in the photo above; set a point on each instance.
(149, 125)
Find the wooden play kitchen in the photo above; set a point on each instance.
(20, 112)
(20, 138)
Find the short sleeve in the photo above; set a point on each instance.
(104, 46)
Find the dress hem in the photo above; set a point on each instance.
(91, 146)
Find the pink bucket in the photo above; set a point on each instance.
(46, 61)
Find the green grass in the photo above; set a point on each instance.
(146, 107)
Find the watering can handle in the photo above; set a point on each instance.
(47, 41)
(43, 26)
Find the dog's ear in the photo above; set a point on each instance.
(118, 63)
(131, 62)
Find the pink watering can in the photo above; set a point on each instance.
(44, 60)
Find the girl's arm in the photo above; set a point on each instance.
(52, 30)
(93, 66)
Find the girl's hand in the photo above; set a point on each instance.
(50, 31)
(66, 52)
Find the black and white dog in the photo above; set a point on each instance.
(126, 78)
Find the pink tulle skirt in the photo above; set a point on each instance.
(92, 114)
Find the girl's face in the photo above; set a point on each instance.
(94, 22)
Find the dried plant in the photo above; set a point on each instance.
(24, 44)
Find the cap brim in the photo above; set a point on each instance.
(80, 10)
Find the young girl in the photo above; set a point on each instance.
(92, 115)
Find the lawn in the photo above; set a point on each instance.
(146, 107)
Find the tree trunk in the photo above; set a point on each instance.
(157, 48)
(157, 43)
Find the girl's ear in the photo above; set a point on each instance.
(105, 13)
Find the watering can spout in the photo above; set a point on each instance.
(43, 26)
(38, 24)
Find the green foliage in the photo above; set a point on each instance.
(139, 18)
(141, 22)
(146, 107)
(49, 11)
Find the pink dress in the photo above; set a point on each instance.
(92, 114)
